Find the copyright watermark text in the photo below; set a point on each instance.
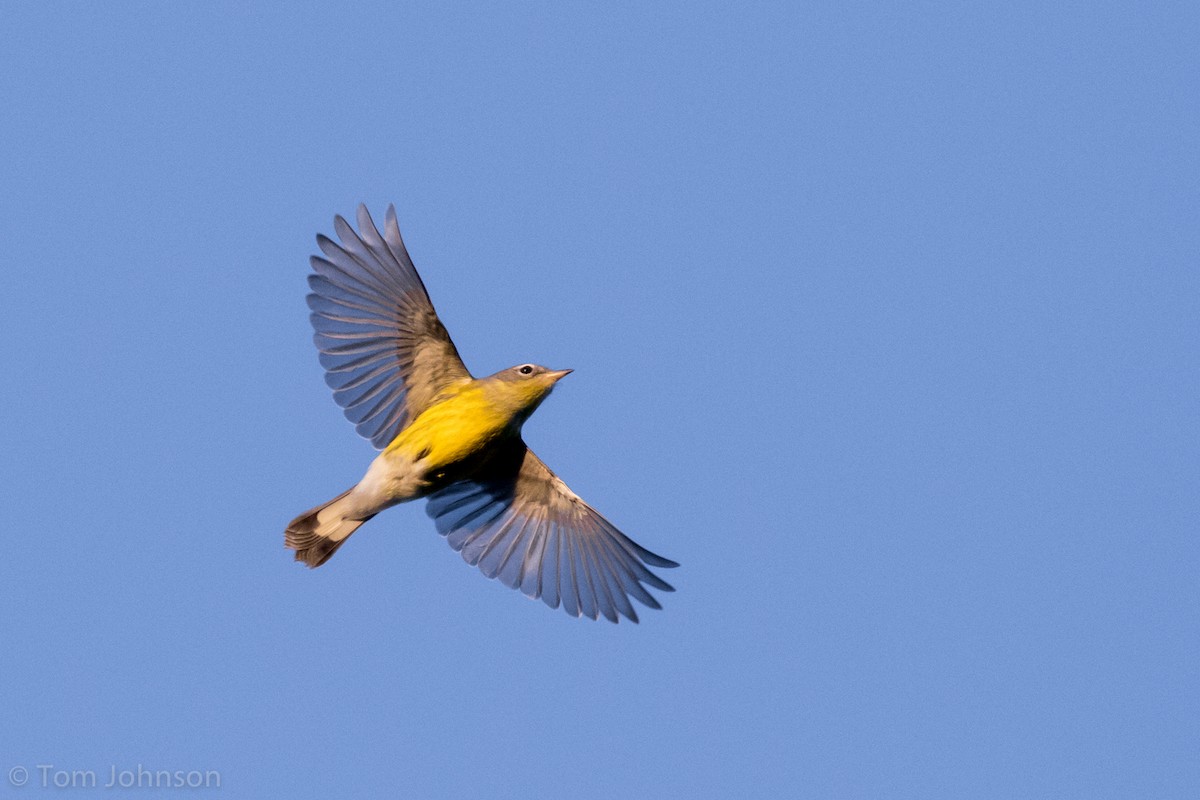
(114, 776)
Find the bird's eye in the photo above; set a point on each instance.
(527, 369)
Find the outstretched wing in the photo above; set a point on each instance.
(518, 522)
(385, 352)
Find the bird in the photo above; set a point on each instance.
(452, 439)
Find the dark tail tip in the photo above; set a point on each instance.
(312, 548)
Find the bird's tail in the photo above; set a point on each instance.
(316, 535)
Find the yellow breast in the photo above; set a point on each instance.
(453, 429)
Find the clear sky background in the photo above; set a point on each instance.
(884, 323)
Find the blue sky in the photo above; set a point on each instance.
(884, 323)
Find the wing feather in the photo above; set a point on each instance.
(386, 354)
(518, 522)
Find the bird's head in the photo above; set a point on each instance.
(522, 388)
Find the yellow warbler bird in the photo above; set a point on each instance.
(453, 439)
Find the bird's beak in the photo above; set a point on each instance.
(558, 374)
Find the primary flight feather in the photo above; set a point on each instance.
(453, 439)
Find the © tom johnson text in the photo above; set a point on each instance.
(48, 776)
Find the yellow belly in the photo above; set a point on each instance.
(452, 430)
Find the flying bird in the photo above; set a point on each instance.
(453, 439)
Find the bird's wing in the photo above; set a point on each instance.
(518, 522)
(385, 352)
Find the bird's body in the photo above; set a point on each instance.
(472, 415)
(452, 438)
